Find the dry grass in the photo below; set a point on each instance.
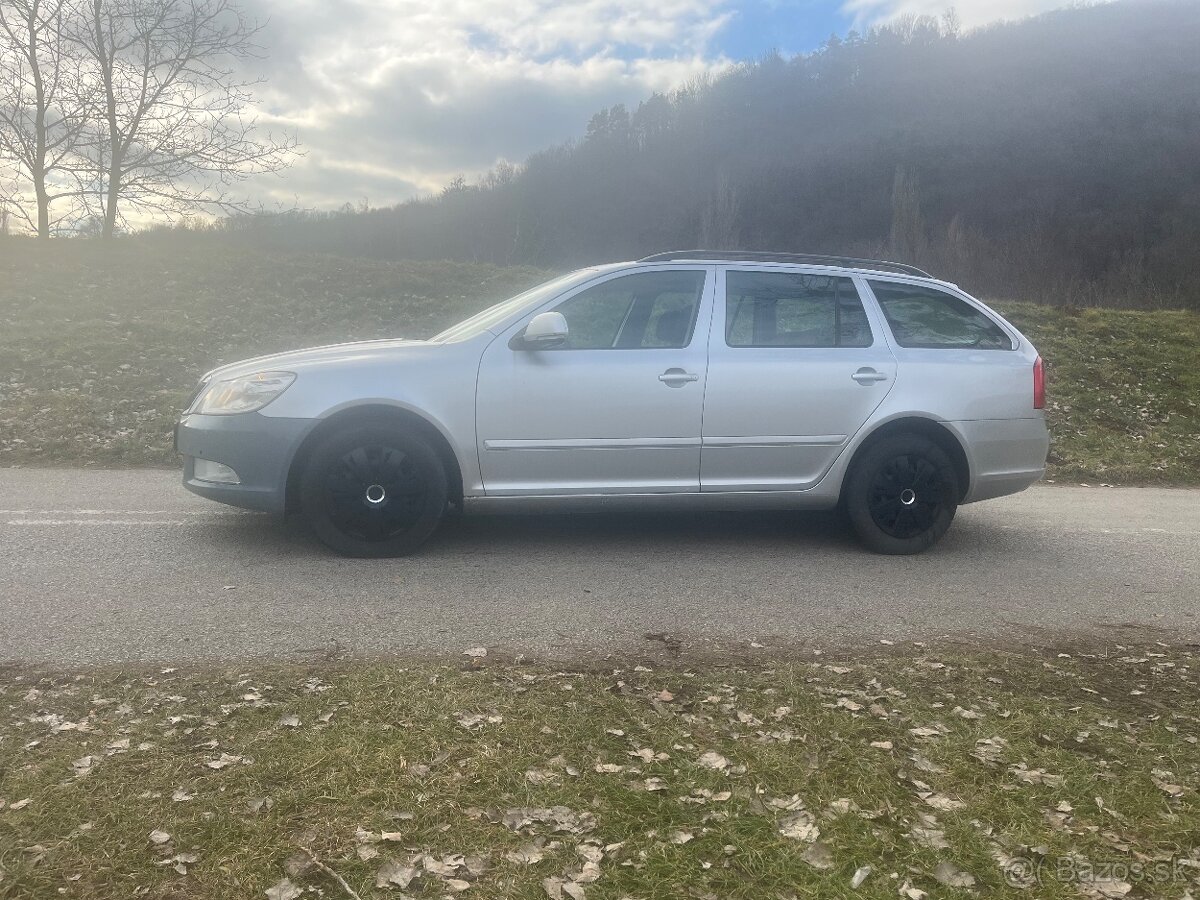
(505, 780)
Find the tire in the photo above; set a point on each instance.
(902, 495)
(373, 491)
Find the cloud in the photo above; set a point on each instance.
(971, 13)
(391, 100)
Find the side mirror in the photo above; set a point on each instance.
(548, 329)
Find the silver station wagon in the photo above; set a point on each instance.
(682, 381)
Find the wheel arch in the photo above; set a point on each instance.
(374, 414)
(928, 428)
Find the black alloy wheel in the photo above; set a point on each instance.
(373, 491)
(902, 494)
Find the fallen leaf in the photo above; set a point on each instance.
(799, 826)
(933, 838)
(951, 876)
(475, 652)
(1035, 776)
(925, 731)
(1108, 888)
(818, 855)
(284, 890)
(159, 837)
(525, 855)
(291, 721)
(713, 760)
(944, 803)
(395, 874)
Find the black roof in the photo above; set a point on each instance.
(814, 259)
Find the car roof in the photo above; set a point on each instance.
(815, 259)
(854, 264)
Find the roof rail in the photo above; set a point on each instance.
(816, 259)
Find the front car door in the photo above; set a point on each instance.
(616, 408)
(796, 366)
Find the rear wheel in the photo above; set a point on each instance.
(902, 495)
(373, 491)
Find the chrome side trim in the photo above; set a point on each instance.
(775, 440)
(594, 444)
(716, 443)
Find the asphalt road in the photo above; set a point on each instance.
(119, 566)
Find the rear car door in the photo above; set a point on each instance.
(617, 407)
(797, 364)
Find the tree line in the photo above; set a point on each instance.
(1053, 158)
(119, 112)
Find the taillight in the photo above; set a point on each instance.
(1039, 385)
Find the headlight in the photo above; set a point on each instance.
(242, 395)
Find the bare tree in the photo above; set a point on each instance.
(907, 241)
(175, 129)
(43, 109)
(719, 221)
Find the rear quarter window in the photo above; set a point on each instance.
(926, 318)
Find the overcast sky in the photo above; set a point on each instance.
(393, 98)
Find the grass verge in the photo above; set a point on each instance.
(101, 346)
(905, 773)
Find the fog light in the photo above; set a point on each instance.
(206, 470)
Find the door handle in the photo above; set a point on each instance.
(677, 377)
(867, 375)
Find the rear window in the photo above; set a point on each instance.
(926, 318)
(789, 309)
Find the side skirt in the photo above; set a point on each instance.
(718, 500)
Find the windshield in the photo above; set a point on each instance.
(493, 315)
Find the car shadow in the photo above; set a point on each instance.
(598, 532)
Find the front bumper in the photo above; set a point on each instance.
(258, 448)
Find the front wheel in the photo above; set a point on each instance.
(902, 495)
(373, 491)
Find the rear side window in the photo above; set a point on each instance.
(641, 311)
(788, 309)
(923, 317)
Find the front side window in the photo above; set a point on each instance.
(494, 315)
(789, 309)
(926, 318)
(633, 312)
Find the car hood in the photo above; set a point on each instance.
(312, 357)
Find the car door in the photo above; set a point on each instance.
(617, 407)
(797, 364)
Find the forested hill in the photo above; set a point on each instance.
(1056, 158)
